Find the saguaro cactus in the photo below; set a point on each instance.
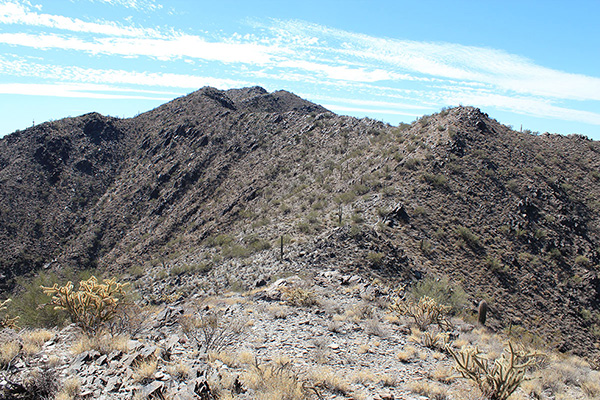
(482, 314)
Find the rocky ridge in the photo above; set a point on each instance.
(204, 188)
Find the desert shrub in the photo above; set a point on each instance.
(40, 384)
(90, 307)
(29, 297)
(192, 268)
(257, 244)
(275, 380)
(298, 297)
(375, 258)
(435, 180)
(496, 379)
(424, 312)
(211, 331)
(411, 163)
(468, 237)
(582, 261)
(443, 291)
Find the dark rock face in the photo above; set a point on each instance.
(511, 215)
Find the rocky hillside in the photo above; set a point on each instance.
(324, 336)
(216, 180)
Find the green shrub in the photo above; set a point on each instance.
(6, 321)
(468, 237)
(28, 298)
(442, 291)
(437, 180)
(582, 261)
(375, 258)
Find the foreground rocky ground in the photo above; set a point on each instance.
(298, 334)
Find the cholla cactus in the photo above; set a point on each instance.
(92, 305)
(496, 379)
(424, 313)
(6, 321)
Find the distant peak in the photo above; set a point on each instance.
(217, 95)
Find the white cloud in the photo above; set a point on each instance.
(367, 103)
(369, 111)
(445, 60)
(523, 105)
(28, 68)
(341, 72)
(71, 90)
(162, 49)
(19, 14)
(141, 5)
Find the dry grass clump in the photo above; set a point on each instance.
(364, 376)
(298, 297)
(407, 354)
(9, 350)
(34, 340)
(360, 311)
(329, 379)
(274, 381)
(103, 343)
(70, 389)
(563, 376)
(144, 371)
(432, 390)
(179, 370)
(442, 374)
(278, 311)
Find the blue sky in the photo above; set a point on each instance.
(529, 63)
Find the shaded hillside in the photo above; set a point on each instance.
(218, 177)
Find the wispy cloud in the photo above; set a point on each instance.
(162, 49)
(72, 90)
(141, 5)
(445, 60)
(22, 67)
(22, 14)
(359, 72)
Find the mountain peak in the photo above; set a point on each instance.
(217, 177)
